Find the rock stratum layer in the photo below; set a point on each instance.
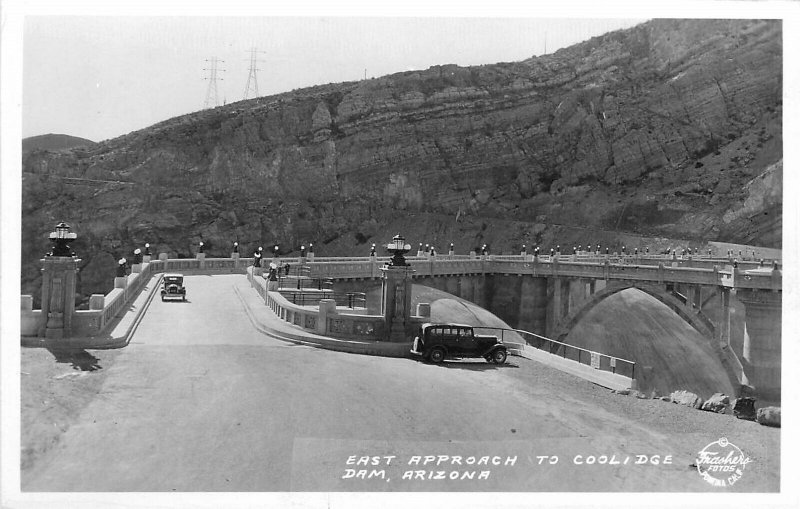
(668, 130)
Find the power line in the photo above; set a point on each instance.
(252, 77)
(211, 93)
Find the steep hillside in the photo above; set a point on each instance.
(669, 130)
(54, 142)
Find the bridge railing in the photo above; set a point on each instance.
(596, 360)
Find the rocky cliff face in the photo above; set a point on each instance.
(669, 130)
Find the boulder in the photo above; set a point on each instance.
(718, 403)
(686, 398)
(744, 408)
(769, 416)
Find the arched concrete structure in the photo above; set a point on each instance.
(694, 317)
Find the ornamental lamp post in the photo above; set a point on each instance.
(121, 267)
(147, 251)
(137, 256)
(398, 248)
(302, 251)
(61, 237)
(235, 247)
(372, 251)
(201, 250)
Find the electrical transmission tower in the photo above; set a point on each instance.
(252, 78)
(211, 94)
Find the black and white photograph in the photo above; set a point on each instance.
(437, 255)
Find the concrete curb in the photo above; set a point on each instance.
(383, 349)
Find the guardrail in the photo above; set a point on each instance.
(351, 300)
(596, 360)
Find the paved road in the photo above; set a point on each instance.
(200, 401)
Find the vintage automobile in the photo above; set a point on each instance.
(436, 342)
(173, 287)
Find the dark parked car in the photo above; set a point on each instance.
(435, 342)
(173, 287)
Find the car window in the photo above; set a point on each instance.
(466, 333)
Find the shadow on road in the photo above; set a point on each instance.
(474, 365)
(79, 358)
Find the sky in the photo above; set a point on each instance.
(99, 77)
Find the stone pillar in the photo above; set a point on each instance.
(697, 296)
(327, 307)
(58, 296)
(396, 300)
(724, 327)
(554, 304)
(424, 310)
(762, 347)
(97, 301)
(533, 305)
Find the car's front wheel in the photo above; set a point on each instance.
(499, 356)
(437, 355)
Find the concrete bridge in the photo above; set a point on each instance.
(550, 295)
(545, 295)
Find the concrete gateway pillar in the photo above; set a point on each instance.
(396, 300)
(58, 296)
(59, 268)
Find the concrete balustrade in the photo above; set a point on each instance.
(325, 319)
(93, 320)
(104, 308)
